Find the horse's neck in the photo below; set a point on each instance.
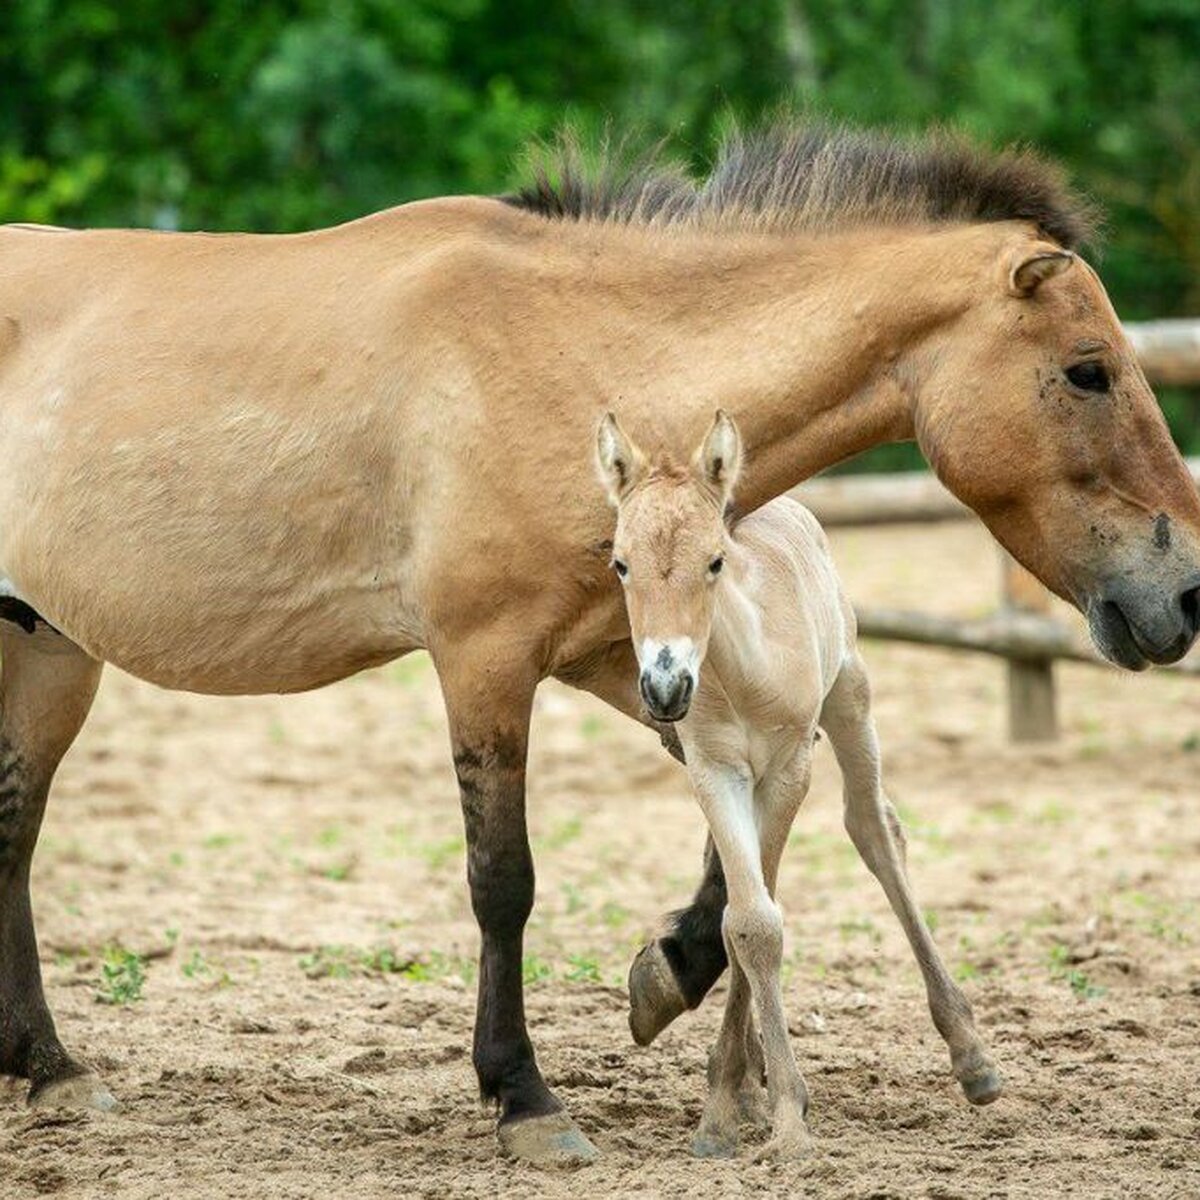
(809, 342)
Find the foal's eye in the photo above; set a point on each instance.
(714, 567)
(1090, 376)
(621, 568)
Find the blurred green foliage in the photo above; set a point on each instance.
(286, 114)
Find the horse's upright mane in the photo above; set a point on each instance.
(798, 175)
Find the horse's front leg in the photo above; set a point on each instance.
(488, 705)
(676, 970)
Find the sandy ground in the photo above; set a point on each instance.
(292, 870)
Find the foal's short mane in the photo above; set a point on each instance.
(794, 176)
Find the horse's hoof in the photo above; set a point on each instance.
(714, 1143)
(983, 1086)
(550, 1141)
(655, 998)
(83, 1091)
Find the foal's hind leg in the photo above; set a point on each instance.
(730, 1068)
(46, 688)
(876, 832)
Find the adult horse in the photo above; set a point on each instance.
(249, 464)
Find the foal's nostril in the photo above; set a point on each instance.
(1189, 603)
(667, 696)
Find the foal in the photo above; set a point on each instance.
(747, 640)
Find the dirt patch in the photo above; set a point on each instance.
(294, 869)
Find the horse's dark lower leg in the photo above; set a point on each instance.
(46, 688)
(491, 776)
(500, 873)
(678, 969)
(29, 1046)
(694, 946)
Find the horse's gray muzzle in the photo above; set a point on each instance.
(1135, 626)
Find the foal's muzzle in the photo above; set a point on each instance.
(667, 695)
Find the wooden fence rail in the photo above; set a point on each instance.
(1169, 351)
(1016, 637)
(1021, 631)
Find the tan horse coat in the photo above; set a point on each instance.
(247, 463)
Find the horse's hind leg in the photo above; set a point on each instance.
(730, 1066)
(877, 834)
(674, 972)
(46, 688)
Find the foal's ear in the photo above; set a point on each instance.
(719, 460)
(1031, 266)
(620, 463)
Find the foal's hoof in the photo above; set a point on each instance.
(753, 1107)
(983, 1086)
(715, 1143)
(75, 1091)
(794, 1147)
(550, 1141)
(655, 998)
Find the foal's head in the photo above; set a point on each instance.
(669, 552)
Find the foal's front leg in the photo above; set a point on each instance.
(753, 932)
(676, 970)
(489, 709)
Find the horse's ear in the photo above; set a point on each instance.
(718, 462)
(1030, 267)
(620, 463)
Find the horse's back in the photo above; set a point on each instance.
(203, 442)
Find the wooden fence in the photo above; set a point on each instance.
(1022, 631)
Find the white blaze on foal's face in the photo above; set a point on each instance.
(669, 551)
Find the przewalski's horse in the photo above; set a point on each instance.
(252, 463)
(746, 639)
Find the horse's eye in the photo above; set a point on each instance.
(1090, 376)
(621, 568)
(714, 567)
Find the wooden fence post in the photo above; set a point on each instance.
(1032, 712)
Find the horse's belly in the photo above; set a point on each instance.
(225, 647)
(214, 583)
(241, 545)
